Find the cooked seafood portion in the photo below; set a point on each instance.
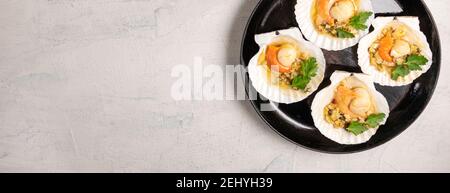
(287, 68)
(334, 24)
(350, 110)
(397, 51)
(340, 18)
(352, 103)
(287, 65)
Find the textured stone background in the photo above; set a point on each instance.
(85, 87)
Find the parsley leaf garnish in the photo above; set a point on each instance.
(359, 21)
(416, 61)
(373, 121)
(357, 128)
(308, 70)
(413, 63)
(400, 71)
(343, 33)
(309, 67)
(300, 82)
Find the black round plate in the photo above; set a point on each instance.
(294, 122)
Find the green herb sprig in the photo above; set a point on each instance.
(359, 21)
(343, 33)
(308, 70)
(373, 121)
(413, 63)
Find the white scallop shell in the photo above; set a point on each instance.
(325, 97)
(380, 77)
(305, 21)
(258, 73)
